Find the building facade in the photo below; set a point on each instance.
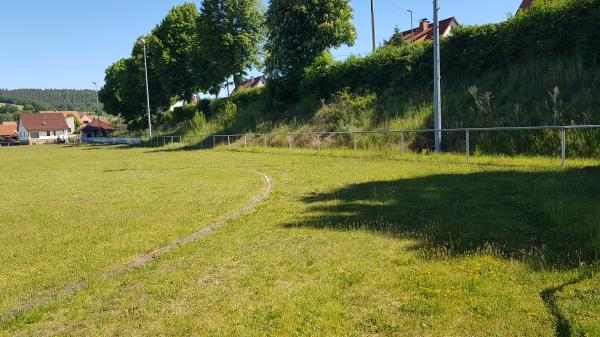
(36, 128)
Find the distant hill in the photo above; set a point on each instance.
(51, 99)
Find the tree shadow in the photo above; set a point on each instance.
(549, 218)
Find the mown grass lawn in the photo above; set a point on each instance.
(342, 247)
(69, 214)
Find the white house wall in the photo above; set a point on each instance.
(25, 135)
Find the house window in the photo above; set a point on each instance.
(35, 135)
(47, 133)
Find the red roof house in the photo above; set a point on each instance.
(525, 5)
(9, 131)
(256, 82)
(425, 30)
(35, 128)
(97, 128)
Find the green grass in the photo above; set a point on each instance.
(20, 107)
(412, 245)
(74, 213)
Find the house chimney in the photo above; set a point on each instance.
(424, 25)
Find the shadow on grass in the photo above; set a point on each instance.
(549, 219)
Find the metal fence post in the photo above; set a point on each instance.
(318, 142)
(563, 151)
(290, 142)
(245, 141)
(229, 142)
(354, 141)
(402, 142)
(265, 140)
(468, 145)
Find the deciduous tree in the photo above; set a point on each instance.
(230, 36)
(174, 46)
(301, 30)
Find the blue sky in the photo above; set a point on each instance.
(69, 43)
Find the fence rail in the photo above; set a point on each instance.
(247, 140)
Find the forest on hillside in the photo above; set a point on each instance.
(51, 99)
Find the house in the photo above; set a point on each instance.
(182, 103)
(256, 82)
(9, 131)
(425, 30)
(96, 129)
(37, 128)
(525, 5)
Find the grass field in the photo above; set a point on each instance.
(20, 107)
(412, 246)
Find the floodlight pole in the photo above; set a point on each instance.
(412, 26)
(97, 104)
(437, 82)
(143, 43)
(373, 24)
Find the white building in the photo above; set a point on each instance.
(36, 128)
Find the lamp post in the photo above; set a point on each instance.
(437, 94)
(412, 29)
(143, 43)
(97, 106)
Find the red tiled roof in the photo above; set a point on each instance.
(525, 5)
(43, 122)
(97, 124)
(8, 129)
(81, 117)
(427, 34)
(251, 83)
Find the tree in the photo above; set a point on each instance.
(301, 30)
(229, 37)
(8, 108)
(397, 39)
(124, 92)
(174, 46)
(112, 94)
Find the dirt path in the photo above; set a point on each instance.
(146, 258)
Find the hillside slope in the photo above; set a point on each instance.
(530, 70)
(51, 99)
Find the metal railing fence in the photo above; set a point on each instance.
(402, 139)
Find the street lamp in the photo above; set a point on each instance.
(143, 43)
(97, 106)
(412, 29)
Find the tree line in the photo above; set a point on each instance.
(198, 50)
(50, 99)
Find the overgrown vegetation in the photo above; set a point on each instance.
(530, 70)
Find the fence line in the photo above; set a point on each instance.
(166, 140)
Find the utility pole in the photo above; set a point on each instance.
(412, 26)
(373, 24)
(143, 43)
(437, 79)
